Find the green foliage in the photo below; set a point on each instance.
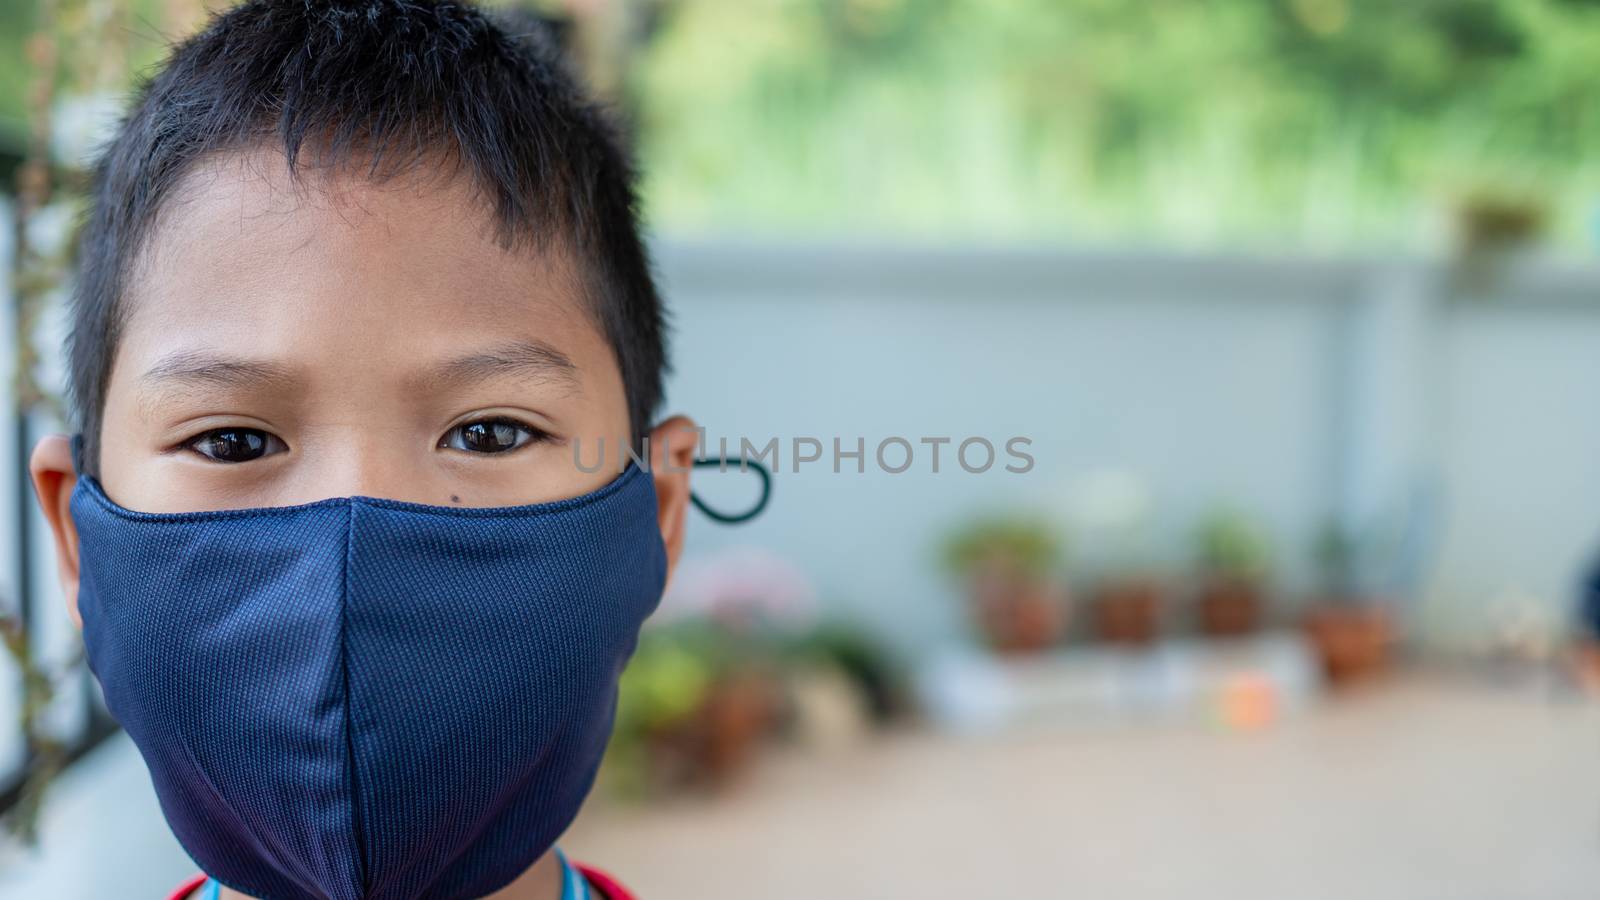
(1266, 120)
(662, 717)
(1342, 122)
(1231, 543)
(676, 664)
(87, 33)
(664, 683)
(1025, 543)
(16, 24)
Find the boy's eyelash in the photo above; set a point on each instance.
(534, 434)
(534, 430)
(528, 435)
(244, 444)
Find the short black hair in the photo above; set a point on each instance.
(390, 83)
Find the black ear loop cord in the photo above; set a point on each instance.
(743, 465)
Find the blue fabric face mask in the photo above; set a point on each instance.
(364, 698)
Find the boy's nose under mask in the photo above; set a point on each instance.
(364, 698)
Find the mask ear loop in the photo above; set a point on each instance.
(744, 465)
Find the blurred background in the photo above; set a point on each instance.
(1297, 306)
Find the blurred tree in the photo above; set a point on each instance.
(1277, 120)
(1309, 119)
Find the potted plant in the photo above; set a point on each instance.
(1500, 220)
(1015, 599)
(692, 707)
(1353, 634)
(1111, 516)
(1128, 609)
(1233, 556)
(659, 698)
(1494, 226)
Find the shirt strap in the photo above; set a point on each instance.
(573, 885)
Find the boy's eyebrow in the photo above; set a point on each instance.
(201, 367)
(521, 358)
(524, 358)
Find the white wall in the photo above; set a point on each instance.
(1521, 457)
(1295, 389)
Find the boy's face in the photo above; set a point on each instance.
(289, 342)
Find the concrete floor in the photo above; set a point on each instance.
(1413, 792)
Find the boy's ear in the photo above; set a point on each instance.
(672, 448)
(53, 481)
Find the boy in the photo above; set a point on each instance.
(360, 279)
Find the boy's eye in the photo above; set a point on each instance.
(235, 445)
(490, 436)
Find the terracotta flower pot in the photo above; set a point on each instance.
(1128, 612)
(737, 713)
(1230, 606)
(1016, 611)
(1354, 642)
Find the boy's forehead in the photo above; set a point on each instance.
(244, 246)
(249, 207)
